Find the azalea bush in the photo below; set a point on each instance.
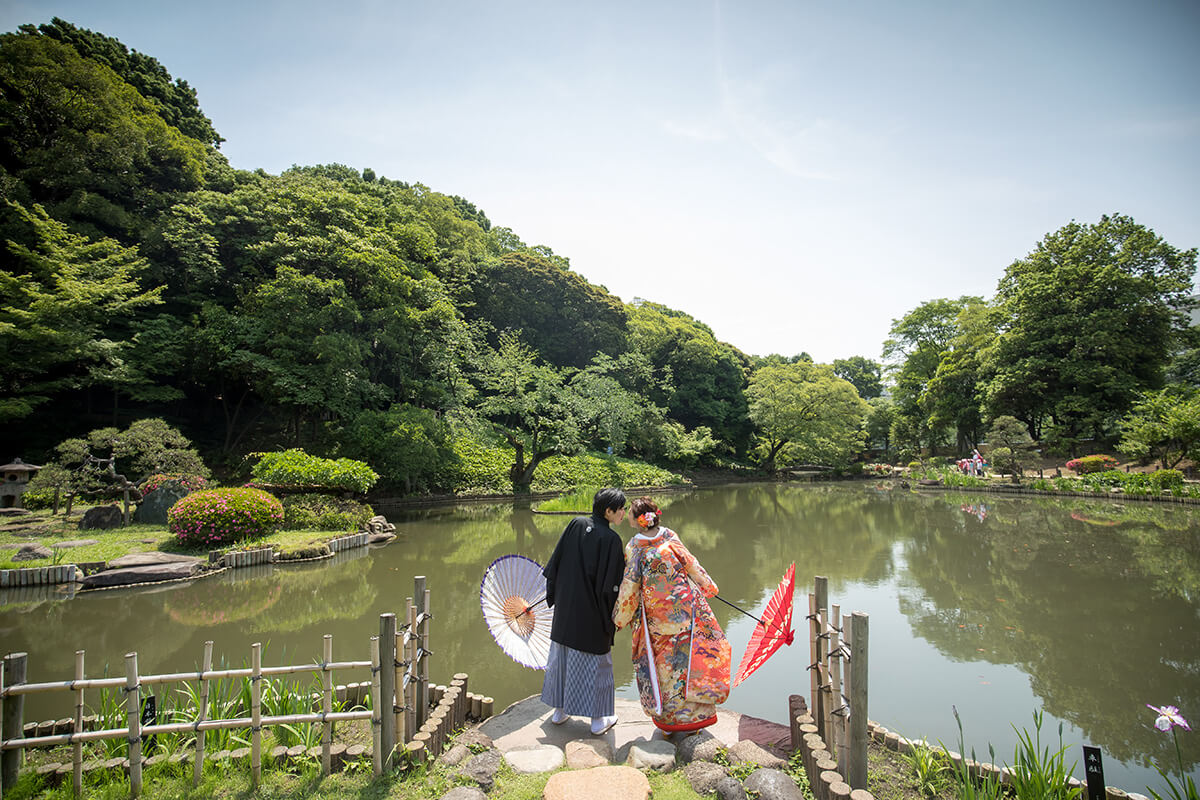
(297, 468)
(1093, 463)
(193, 483)
(217, 517)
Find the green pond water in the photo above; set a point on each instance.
(995, 605)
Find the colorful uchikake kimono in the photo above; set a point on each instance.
(680, 654)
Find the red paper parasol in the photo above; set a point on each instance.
(511, 595)
(773, 630)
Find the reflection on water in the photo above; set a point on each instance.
(999, 605)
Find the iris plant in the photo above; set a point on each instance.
(1169, 719)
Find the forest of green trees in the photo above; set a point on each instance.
(354, 315)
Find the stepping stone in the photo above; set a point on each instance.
(75, 543)
(586, 754)
(534, 759)
(464, 793)
(655, 754)
(703, 776)
(772, 784)
(598, 783)
(151, 559)
(475, 738)
(748, 752)
(482, 768)
(149, 574)
(730, 789)
(700, 746)
(32, 552)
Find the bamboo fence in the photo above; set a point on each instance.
(398, 689)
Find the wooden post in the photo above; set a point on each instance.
(77, 747)
(814, 671)
(327, 729)
(376, 719)
(133, 707)
(202, 713)
(797, 708)
(256, 714)
(12, 725)
(125, 515)
(387, 686)
(821, 711)
(421, 599)
(856, 770)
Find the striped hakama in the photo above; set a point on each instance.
(579, 683)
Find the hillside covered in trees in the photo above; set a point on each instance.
(356, 315)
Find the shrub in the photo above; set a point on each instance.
(319, 512)
(1164, 479)
(1089, 464)
(297, 468)
(222, 516)
(193, 483)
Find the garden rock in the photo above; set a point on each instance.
(703, 776)
(101, 518)
(150, 574)
(455, 755)
(151, 559)
(598, 783)
(655, 754)
(772, 784)
(32, 552)
(535, 758)
(74, 543)
(748, 752)
(482, 769)
(154, 506)
(379, 530)
(590, 753)
(700, 746)
(730, 789)
(464, 793)
(475, 738)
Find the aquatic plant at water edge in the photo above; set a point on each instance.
(987, 787)
(1038, 774)
(930, 768)
(222, 516)
(1169, 719)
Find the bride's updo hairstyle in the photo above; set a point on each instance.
(645, 513)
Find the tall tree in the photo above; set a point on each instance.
(1163, 425)
(1087, 321)
(805, 413)
(866, 375)
(954, 395)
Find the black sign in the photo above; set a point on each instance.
(1094, 767)
(149, 717)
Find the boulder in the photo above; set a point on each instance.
(654, 754)
(587, 753)
(748, 752)
(534, 758)
(454, 756)
(598, 783)
(475, 738)
(154, 506)
(482, 769)
(150, 574)
(703, 776)
(101, 518)
(32, 552)
(700, 746)
(773, 784)
(730, 789)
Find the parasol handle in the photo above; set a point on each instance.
(760, 620)
(529, 608)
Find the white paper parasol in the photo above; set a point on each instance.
(512, 595)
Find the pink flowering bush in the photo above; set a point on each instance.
(1089, 464)
(217, 517)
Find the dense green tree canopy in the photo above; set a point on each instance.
(866, 375)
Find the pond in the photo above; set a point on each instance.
(992, 604)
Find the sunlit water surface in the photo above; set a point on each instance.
(995, 605)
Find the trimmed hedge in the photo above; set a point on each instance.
(216, 517)
(297, 468)
(320, 512)
(1089, 464)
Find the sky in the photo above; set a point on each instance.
(795, 174)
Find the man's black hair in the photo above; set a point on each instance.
(607, 499)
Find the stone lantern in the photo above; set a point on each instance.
(16, 481)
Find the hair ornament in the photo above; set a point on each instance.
(647, 520)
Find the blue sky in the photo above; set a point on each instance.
(794, 174)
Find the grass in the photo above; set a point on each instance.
(41, 527)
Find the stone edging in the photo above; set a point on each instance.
(1021, 490)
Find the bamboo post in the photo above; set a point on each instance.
(856, 770)
(421, 598)
(376, 721)
(77, 747)
(133, 707)
(327, 730)
(256, 714)
(838, 734)
(387, 686)
(398, 670)
(410, 679)
(13, 724)
(202, 713)
(820, 711)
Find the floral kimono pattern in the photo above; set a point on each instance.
(680, 654)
